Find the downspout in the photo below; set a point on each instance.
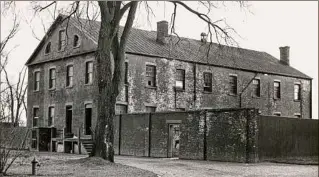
(194, 73)
(241, 93)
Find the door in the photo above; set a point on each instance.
(173, 140)
(88, 119)
(68, 119)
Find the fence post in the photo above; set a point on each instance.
(149, 134)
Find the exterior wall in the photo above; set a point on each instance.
(163, 96)
(77, 95)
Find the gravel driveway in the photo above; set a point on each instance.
(174, 167)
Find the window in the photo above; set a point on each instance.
(297, 92)
(62, 40)
(276, 90)
(180, 79)
(36, 86)
(297, 115)
(88, 72)
(48, 48)
(233, 85)
(120, 109)
(208, 82)
(51, 116)
(277, 114)
(76, 41)
(150, 109)
(151, 75)
(52, 78)
(69, 75)
(34, 144)
(256, 87)
(126, 73)
(35, 117)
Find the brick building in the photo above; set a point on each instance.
(160, 76)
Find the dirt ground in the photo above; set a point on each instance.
(193, 168)
(60, 164)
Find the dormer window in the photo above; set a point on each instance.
(48, 48)
(76, 41)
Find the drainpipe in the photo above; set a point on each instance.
(194, 75)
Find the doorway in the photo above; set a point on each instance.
(173, 140)
(68, 120)
(88, 119)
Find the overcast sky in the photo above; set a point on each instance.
(265, 26)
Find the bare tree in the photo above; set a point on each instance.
(110, 56)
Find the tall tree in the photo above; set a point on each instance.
(110, 56)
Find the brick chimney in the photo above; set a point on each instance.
(284, 55)
(162, 31)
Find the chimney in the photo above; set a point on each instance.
(203, 37)
(162, 31)
(284, 55)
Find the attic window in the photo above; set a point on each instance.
(48, 48)
(76, 41)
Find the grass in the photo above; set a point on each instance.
(60, 164)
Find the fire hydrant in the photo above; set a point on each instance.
(34, 163)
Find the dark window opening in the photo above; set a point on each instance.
(88, 72)
(277, 114)
(126, 93)
(68, 119)
(69, 77)
(208, 82)
(126, 73)
(297, 92)
(37, 80)
(48, 48)
(34, 139)
(233, 85)
(277, 94)
(180, 79)
(151, 75)
(88, 119)
(76, 41)
(52, 78)
(256, 86)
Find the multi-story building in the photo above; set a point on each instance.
(160, 76)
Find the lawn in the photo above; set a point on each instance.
(61, 164)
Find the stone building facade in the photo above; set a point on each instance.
(160, 77)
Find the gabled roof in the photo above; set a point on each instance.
(144, 42)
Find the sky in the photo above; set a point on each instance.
(263, 26)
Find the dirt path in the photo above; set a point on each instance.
(182, 168)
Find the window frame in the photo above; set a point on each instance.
(180, 78)
(210, 84)
(89, 74)
(51, 79)
(298, 92)
(278, 89)
(36, 83)
(34, 117)
(256, 88)
(233, 84)
(69, 82)
(49, 116)
(47, 47)
(62, 43)
(78, 41)
(151, 77)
